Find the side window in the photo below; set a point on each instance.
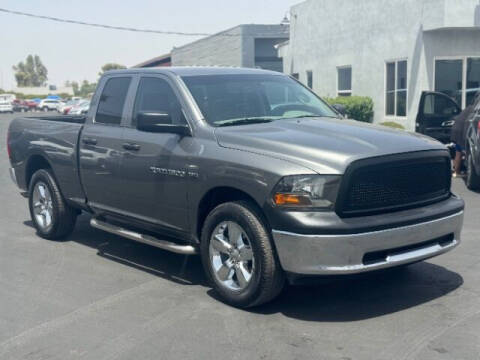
(439, 105)
(154, 95)
(112, 100)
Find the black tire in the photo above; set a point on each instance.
(267, 278)
(63, 217)
(472, 180)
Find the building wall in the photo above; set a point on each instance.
(366, 34)
(223, 49)
(43, 90)
(233, 47)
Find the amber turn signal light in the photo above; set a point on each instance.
(291, 200)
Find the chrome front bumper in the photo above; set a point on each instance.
(13, 176)
(346, 254)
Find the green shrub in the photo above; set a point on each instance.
(357, 107)
(393, 124)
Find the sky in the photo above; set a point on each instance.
(76, 52)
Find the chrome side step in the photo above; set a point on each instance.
(146, 239)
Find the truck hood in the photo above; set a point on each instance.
(324, 145)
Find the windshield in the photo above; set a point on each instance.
(241, 99)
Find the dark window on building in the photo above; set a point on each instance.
(344, 81)
(402, 88)
(296, 75)
(266, 56)
(310, 79)
(112, 100)
(448, 78)
(156, 95)
(473, 79)
(396, 88)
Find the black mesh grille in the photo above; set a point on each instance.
(394, 185)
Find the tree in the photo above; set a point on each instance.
(87, 88)
(76, 88)
(32, 72)
(111, 66)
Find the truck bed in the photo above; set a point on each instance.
(54, 138)
(75, 119)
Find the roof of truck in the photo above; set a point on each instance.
(196, 70)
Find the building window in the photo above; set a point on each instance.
(310, 79)
(344, 81)
(396, 88)
(459, 78)
(295, 75)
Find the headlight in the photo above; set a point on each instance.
(307, 191)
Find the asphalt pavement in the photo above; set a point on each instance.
(98, 296)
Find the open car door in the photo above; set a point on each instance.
(435, 115)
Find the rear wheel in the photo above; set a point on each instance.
(52, 216)
(238, 256)
(472, 179)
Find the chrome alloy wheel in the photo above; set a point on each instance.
(42, 206)
(231, 256)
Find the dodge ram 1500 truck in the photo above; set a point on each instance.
(246, 167)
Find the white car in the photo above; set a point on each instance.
(80, 109)
(6, 107)
(65, 107)
(48, 104)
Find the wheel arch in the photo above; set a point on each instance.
(220, 195)
(34, 163)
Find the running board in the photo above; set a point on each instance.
(146, 239)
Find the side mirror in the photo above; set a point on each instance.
(159, 122)
(340, 108)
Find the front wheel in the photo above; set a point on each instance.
(238, 256)
(472, 179)
(53, 218)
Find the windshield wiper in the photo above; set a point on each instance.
(310, 116)
(245, 121)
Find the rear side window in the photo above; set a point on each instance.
(112, 100)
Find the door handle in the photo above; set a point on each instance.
(89, 141)
(130, 146)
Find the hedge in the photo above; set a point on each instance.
(393, 124)
(357, 107)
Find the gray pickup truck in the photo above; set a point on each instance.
(246, 167)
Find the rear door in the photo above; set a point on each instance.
(154, 164)
(101, 145)
(435, 115)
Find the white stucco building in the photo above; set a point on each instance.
(389, 50)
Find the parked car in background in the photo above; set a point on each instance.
(81, 108)
(472, 148)
(20, 106)
(436, 115)
(48, 104)
(7, 97)
(32, 105)
(6, 107)
(65, 107)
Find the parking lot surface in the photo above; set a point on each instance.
(98, 296)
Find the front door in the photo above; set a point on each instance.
(154, 165)
(435, 115)
(101, 147)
